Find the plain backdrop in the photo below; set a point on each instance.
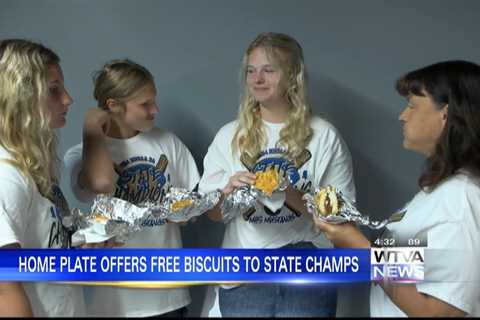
(354, 52)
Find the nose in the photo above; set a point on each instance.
(155, 109)
(259, 77)
(66, 98)
(403, 115)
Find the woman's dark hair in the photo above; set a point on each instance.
(456, 83)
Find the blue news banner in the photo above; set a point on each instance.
(211, 265)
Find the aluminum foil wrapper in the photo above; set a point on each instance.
(109, 217)
(244, 199)
(181, 205)
(347, 212)
(238, 202)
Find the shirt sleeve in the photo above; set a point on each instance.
(334, 164)
(73, 164)
(453, 255)
(216, 166)
(450, 274)
(185, 165)
(15, 199)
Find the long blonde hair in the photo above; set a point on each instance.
(250, 136)
(24, 117)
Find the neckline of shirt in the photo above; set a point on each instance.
(274, 125)
(131, 139)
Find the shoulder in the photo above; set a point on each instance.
(460, 183)
(228, 130)
(73, 152)
(461, 193)
(166, 139)
(325, 134)
(158, 133)
(321, 126)
(14, 186)
(159, 136)
(224, 135)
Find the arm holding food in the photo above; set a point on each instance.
(405, 296)
(239, 179)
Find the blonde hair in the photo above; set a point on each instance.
(250, 136)
(118, 80)
(24, 117)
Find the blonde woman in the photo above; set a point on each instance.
(275, 128)
(33, 102)
(124, 154)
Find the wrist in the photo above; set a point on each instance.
(93, 129)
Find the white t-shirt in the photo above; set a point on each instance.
(449, 219)
(146, 165)
(32, 221)
(325, 161)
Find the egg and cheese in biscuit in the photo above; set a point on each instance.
(267, 181)
(179, 205)
(327, 201)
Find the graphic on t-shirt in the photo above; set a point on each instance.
(277, 158)
(59, 236)
(141, 180)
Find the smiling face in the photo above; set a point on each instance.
(423, 123)
(58, 99)
(265, 78)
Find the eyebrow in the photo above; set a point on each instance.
(263, 65)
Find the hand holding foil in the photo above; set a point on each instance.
(109, 217)
(330, 205)
(244, 199)
(180, 205)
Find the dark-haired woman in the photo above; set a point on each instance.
(441, 122)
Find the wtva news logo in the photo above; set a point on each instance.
(397, 264)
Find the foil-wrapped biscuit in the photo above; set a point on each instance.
(267, 181)
(100, 218)
(180, 204)
(327, 201)
(329, 205)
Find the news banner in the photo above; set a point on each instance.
(178, 267)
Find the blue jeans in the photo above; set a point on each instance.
(279, 300)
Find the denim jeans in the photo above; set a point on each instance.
(279, 300)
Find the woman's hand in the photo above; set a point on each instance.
(239, 179)
(342, 235)
(96, 121)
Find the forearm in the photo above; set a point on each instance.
(294, 201)
(215, 214)
(416, 304)
(14, 301)
(97, 174)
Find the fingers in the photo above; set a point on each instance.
(322, 226)
(239, 179)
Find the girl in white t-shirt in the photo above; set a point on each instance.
(441, 122)
(275, 129)
(33, 102)
(124, 154)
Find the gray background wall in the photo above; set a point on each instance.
(354, 51)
